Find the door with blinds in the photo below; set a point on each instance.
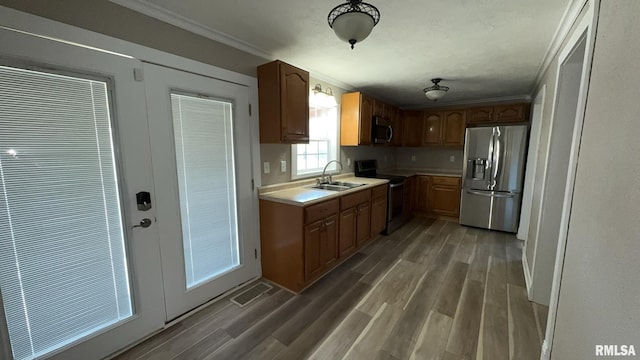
(77, 279)
(201, 150)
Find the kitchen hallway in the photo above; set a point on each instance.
(431, 290)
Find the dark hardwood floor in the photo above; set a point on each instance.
(431, 290)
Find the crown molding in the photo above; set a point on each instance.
(567, 21)
(157, 12)
(170, 17)
(495, 100)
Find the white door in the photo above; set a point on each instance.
(77, 280)
(200, 140)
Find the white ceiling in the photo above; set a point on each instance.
(483, 49)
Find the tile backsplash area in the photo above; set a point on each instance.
(385, 156)
(429, 158)
(388, 158)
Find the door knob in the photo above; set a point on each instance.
(145, 223)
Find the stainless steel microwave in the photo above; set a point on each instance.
(381, 130)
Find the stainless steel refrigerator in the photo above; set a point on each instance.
(493, 176)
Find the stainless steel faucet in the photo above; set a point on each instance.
(323, 178)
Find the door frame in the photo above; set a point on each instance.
(43, 27)
(585, 30)
(530, 177)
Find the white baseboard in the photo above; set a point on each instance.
(527, 275)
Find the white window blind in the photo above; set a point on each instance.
(203, 134)
(63, 267)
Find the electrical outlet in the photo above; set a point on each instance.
(385, 158)
(452, 158)
(413, 158)
(348, 162)
(283, 165)
(266, 167)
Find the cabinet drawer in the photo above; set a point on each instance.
(352, 200)
(316, 212)
(445, 180)
(379, 191)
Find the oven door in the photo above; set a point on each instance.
(395, 217)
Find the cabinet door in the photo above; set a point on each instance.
(432, 129)
(347, 234)
(329, 241)
(294, 98)
(312, 250)
(482, 114)
(422, 193)
(445, 200)
(363, 223)
(366, 117)
(378, 215)
(412, 124)
(453, 128)
(409, 186)
(378, 108)
(510, 113)
(396, 125)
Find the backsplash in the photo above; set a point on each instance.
(384, 154)
(429, 158)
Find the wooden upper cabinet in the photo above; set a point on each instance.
(482, 114)
(283, 92)
(453, 128)
(510, 113)
(412, 128)
(498, 114)
(396, 125)
(378, 108)
(432, 128)
(356, 114)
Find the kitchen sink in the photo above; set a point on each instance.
(336, 186)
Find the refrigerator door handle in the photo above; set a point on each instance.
(490, 194)
(496, 151)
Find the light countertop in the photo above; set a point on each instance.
(301, 193)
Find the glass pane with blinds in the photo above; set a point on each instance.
(203, 134)
(63, 266)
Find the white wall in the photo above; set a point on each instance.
(600, 292)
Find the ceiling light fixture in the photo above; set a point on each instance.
(436, 91)
(353, 21)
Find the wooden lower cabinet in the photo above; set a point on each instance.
(422, 194)
(438, 196)
(320, 246)
(300, 244)
(347, 238)
(363, 223)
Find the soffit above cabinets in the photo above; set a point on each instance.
(486, 49)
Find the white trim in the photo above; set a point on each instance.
(566, 22)
(160, 13)
(157, 12)
(495, 100)
(14, 19)
(527, 274)
(532, 161)
(588, 25)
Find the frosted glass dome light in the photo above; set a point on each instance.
(353, 21)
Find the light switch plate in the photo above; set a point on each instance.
(452, 158)
(283, 165)
(413, 158)
(266, 167)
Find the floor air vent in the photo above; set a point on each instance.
(251, 294)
